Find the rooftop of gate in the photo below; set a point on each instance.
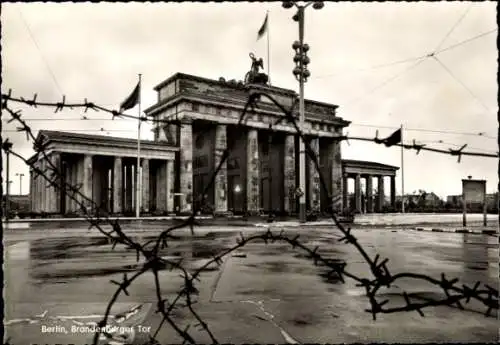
(233, 90)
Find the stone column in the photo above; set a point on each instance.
(393, 192)
(335, 164)
(289, 174)
(35, 191)
(38, 190)
(357, 192)
(117, 185)
(44, 186)
(32, 192)
(63, 190)
(97, 186)
(41, 186)
(345, 190)
(55, 190)
(220, 186)
(161, 187)
(169, 185)
(369, 194)
(129, 192)
(87, 182)
(145, 185)
(381, 194)
(186, 167)
(253, 185)
(76, 182)
(69, 181)
(314, 181)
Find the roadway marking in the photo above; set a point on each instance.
(270, 318)
(218, 278)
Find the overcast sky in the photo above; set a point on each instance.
(95, 51)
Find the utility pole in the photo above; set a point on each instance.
(7, 146)
(301, 73)
(138, 194)
(402, 174)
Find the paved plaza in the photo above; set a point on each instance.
(58, 279)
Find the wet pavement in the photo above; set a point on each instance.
(58, 283)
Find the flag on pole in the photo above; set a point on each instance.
(131, 100)
(262, 29)
(393, 139)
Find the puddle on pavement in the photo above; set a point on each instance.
(62, 248)
(61, 259)
(324, 253)
(477, 267)
(279, 267)
(330, 277)
(304, 320)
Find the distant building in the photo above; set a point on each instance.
(421, 199)
(491, 201)
(17, 204)
(432, 200)
(454, 200)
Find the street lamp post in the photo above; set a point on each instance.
(301, 73)
(20, 183)
(6, 147)
(7, 201)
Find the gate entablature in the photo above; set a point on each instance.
(185, 96)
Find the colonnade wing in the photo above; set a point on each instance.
(367, 201)
(99, 174)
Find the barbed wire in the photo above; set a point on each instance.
(90, 105)
(354, 124)
(380, 275)
(420, 147)
(86, 105)
(442, 131)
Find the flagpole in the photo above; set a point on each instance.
(137, 184)
(268, 60)
(402, 174)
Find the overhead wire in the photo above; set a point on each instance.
(462, 84)
(437, 51)
(374, 67)
(433, 55)
(453, 144)
(453, 46)
(444, 131)
(81, 130)
(418, 62)
(387, 81)
(453, 28)
(73, 119)
(480, 134)
(40, 51)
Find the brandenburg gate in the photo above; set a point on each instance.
(195, 120)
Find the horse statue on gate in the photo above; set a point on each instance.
(254, 76)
